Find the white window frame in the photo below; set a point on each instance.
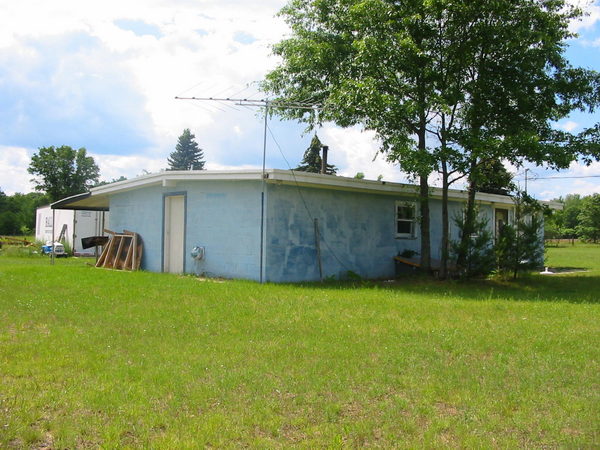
(413, 228)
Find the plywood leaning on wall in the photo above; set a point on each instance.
(122, 252)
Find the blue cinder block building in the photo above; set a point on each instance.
(277, 226)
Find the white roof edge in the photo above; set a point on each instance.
(288, 177)
(318, 180)
(177, 175)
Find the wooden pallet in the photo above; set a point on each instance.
(8, 240)
(123, 251)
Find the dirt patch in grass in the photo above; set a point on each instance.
(445, 409)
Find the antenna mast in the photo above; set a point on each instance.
(268, 105)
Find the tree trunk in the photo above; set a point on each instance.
(445, 224)
(424, 200)
(469, 217)
(425, 238)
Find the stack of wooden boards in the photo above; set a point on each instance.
(123, 251)
(7, 240)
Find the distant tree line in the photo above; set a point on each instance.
(579, 219)
(17, 212)
(62, 171)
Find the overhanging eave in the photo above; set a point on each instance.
(85, 201)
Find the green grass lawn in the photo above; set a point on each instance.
(90, 357)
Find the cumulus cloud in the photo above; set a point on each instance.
(578, 179)
(113, 167)
(591, 16)
(59, 91)
(356, 151)
(104, 75)
(568, 125)
(13, 170)
(577, 169)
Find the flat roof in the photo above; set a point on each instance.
(98, 197)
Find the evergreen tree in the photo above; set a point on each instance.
(187, 154)
(493, 178)
(479, 248)
(520, 246)
(311, 162)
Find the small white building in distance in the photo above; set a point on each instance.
(77, 224)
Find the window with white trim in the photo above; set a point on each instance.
(406, 219)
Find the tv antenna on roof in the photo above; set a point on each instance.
(268, 105)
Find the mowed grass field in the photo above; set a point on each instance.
(97, 358)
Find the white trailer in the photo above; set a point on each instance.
(77, 224)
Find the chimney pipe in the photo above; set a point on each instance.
(324, 160)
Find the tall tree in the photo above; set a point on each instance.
(63, 171)
(365, 62)
(569, 216)
(505, 79)
(187, 154)
(447, 85)
(312, 160)
(521, 83)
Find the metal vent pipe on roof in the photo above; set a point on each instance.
(324, 159)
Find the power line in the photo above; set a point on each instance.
(535, 178)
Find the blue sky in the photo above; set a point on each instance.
(103, 75)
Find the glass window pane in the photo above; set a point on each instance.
(405, 212)
(404, 227)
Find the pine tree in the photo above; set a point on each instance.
(493, 178)
(311, 162)
(520, 246)
(478, 250)
(187, 154)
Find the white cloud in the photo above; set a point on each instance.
(569, 125)
(577, 169)
(196, 51)
(13, 170)
(578, 179)
(591, 17)
(357, 151)
(215, 166)
(115, 166)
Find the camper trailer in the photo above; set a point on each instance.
(69, 226)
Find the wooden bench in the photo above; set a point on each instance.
(414, 262)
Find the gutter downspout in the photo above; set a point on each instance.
(52, 246)
(262, 198)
